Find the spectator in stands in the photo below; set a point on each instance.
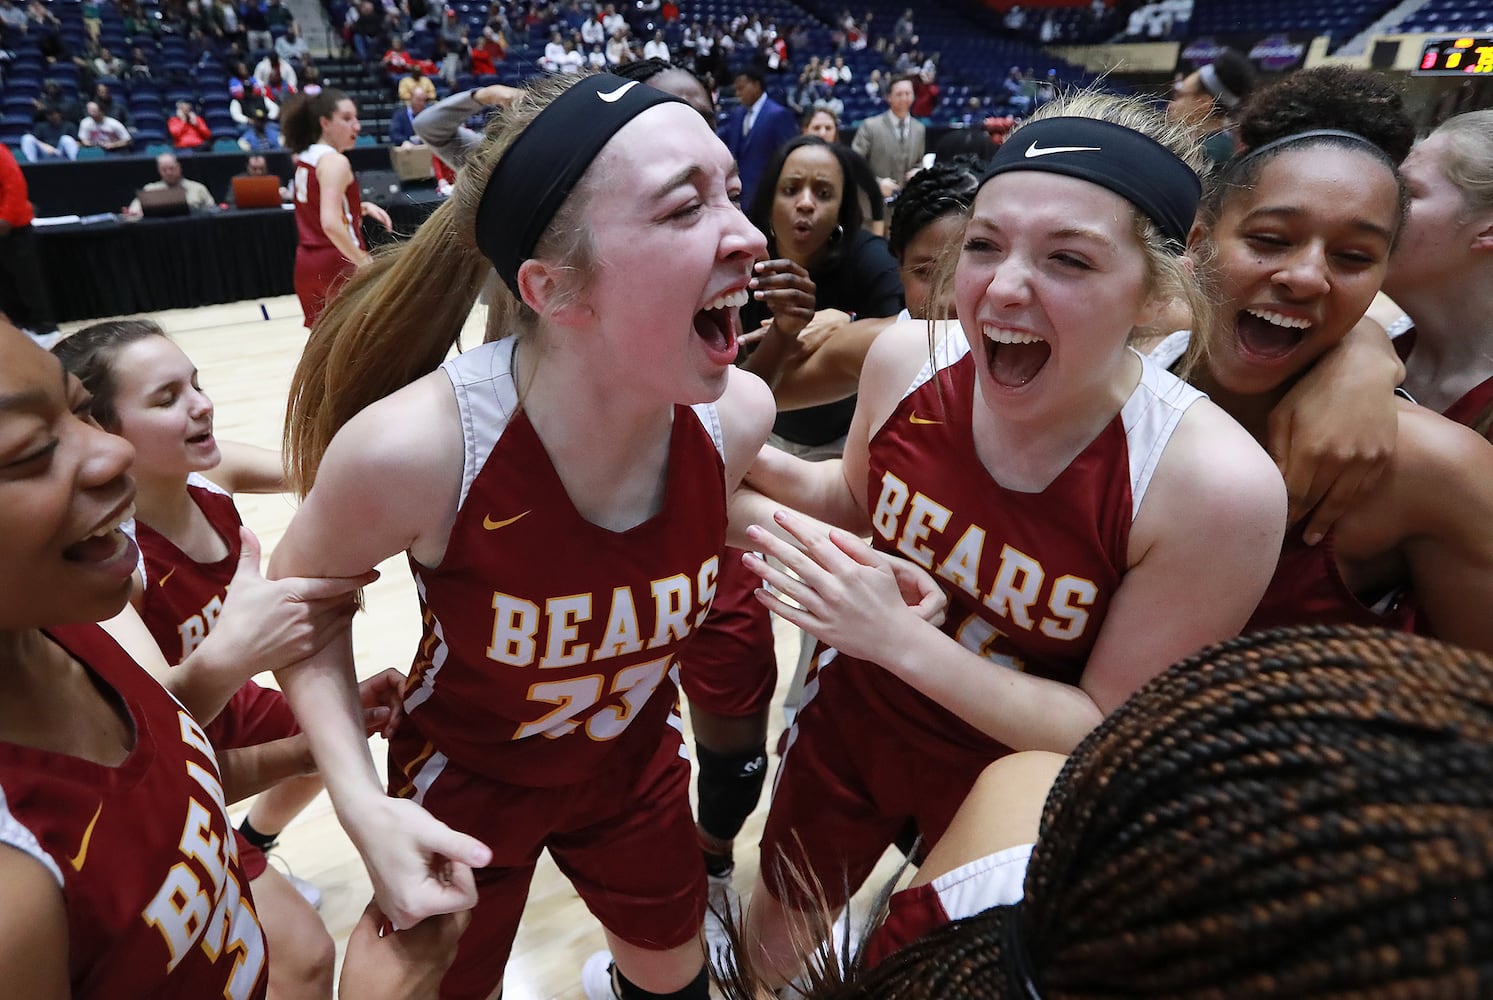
(656, 48)
(553, 50)
(612, 21)
(13, 18)
(482, 55)
(272, 64)
(246, 98)
(107, 63)
(45, 32)
(108, 134)
(596, 58)
(188, 129)
(448, 59)
(894, 141)
(111, 106)
(453, 32)
(618, 51)
(402, 124)
(925, 93)
(52, 138)
(416, 82)
(226, 14)
(23, 287)
(1206, 99)
(592, 33)
(370, 32)
(277, 15)
(139, 68)
(397, 61)
(257, 166)
(262, 135)
(311, 81)
(137, 22)
(199, 198)
(755, 130)
(276, 88)
(292, 48)
(53, 96)
(904, 30)
(1015, 19)
(256, 26)
(1015, 92)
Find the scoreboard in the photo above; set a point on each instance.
(1468, 55)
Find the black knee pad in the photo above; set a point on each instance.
(729, 786)
(697, 989)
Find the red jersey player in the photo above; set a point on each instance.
(1061, 489)
(561, 494)
(319, 129)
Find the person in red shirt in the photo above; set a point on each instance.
(188, 130)
(23, 287)
(484, 55)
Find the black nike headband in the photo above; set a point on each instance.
(1133, 166)
(537, 173)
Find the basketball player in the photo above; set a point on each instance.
(319, 129)
(561, 494)
(1060, 487)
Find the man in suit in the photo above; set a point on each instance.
(893, 142)
(755, 130)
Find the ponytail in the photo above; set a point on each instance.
(398, 316)
(300, 118)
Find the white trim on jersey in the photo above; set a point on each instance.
(487, 398)
(422, 694)
(429, 772)
(994, 880)
(17, 835)
(128, 527)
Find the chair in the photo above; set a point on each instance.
(157, 148)
(90, 153)
(366, 140)
(226, 146)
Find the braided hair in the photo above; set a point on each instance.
(946, 188)
(1305, 812)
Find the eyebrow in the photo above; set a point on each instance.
(1065, 233)
(683, 177)
(1292, 211)
(31, 399)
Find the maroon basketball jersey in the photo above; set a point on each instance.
(308, 203)
(1307, 589)
(157, 905)
(1475, 407)
(550, 644)
(182, 599)
(1029, 576)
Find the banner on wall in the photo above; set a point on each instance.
(1275, 52)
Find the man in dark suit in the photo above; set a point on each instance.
(755, 130)
(893, 142)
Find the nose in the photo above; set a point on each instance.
(805, 201)
(741, 239)
(106, 458)
(1009, 283)
(1305, 272)
(198, 404)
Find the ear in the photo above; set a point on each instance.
(539, 285)
(1196, 235)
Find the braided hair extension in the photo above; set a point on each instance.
(1305, 812)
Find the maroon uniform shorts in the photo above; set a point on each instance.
(625, 838)
(729, 667)
(252, 716)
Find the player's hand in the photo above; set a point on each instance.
(382, 697)
(841, 590)
(271, 624)
(497, 96)
(377, 214)
(420, 867)
(826, 323)
(382, 964)
(787, 291)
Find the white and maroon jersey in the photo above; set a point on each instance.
(995, 880)
(1029, 576)
(307, 193)
(550, 644)
(157, 904)
(182, 598)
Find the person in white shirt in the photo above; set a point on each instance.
(100, 130)
(592, 33)
(291, 47)
(269, 64)
(656, 48)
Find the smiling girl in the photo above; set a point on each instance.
(1063, 490)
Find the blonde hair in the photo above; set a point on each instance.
(399, 315)
(1168, 276)
(1469, 159)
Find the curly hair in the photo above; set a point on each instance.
(946, 188)
(1305, 812)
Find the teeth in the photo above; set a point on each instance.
(1010, 336)
(1277, 319)
(738, 299)
(128, 513)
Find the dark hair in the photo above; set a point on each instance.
(906, 78)
(1329, 97)
(1235, 72)
(966, 142)
(809, 113)
(851, 219)
(89, 354)
(1302, 812)
(751, 73)
(946, 188)
(300, 119)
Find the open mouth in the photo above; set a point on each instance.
(1014, 358)
(1268, 335)
(716, 324)
(206, 437)
(106, 543)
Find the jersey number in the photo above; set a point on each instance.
(576, 695)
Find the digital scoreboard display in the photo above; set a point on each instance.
(1468, 55)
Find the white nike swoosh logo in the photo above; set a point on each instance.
(616, 95)
(1035, 150)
